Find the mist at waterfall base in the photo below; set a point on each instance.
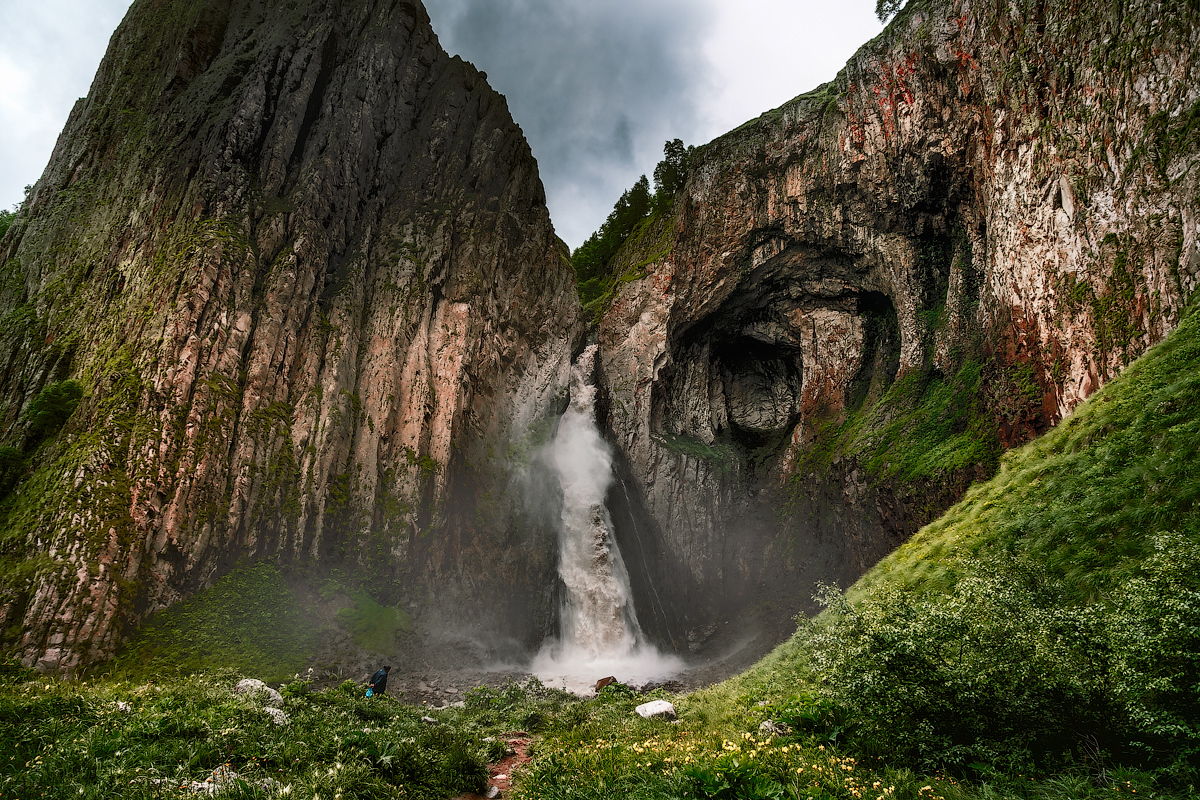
(599, 634)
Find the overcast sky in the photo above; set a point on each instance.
(598, 85)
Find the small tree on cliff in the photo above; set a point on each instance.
(671, 172)
(886, 9)
(592, 257)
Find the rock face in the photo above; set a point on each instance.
(299, 261)
(861, 296)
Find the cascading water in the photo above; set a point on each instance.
(599, 633)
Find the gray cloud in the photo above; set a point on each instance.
(49, 51)
(596, 86)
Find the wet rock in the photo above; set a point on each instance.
(772, 728)
(492, 792)
(696, 637)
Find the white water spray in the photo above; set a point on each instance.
(599, 633)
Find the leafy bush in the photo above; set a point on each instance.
(734, 779)
(50, 409)
(1006, 670)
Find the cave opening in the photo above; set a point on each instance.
(761, 383)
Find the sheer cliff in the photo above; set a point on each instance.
(860, 298)
(287, 289)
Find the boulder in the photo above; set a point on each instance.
(256, 688)
(278, 716)
(772, 728)
(656, 709)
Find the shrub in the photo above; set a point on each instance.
(115, 740)
(1006, 670)
(50, 409)
(12, 463)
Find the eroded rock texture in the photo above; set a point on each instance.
(300, 262)
(995, 198)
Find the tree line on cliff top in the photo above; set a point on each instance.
(592, 259)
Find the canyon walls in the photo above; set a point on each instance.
(861, 297)
(288, 291)
(297, 263)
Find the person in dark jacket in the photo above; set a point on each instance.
(378, 682)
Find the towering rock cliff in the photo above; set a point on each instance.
(860, 297)
(298, 264)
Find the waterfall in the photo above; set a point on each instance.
(599, 633)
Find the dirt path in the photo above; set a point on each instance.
(500, 774)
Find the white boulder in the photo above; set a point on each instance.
(656, 709)
(277, 715)
(255, 688)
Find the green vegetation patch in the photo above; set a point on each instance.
(636, 233)
(924, 426)
(1009, 670)
(110, 740)
(51, 408)
(1085, 498)
(719, 454)
(1170, 137)
(250, 621)
(374, 625)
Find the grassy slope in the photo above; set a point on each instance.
(135, 742)
(1083, 498)
(258, 622)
